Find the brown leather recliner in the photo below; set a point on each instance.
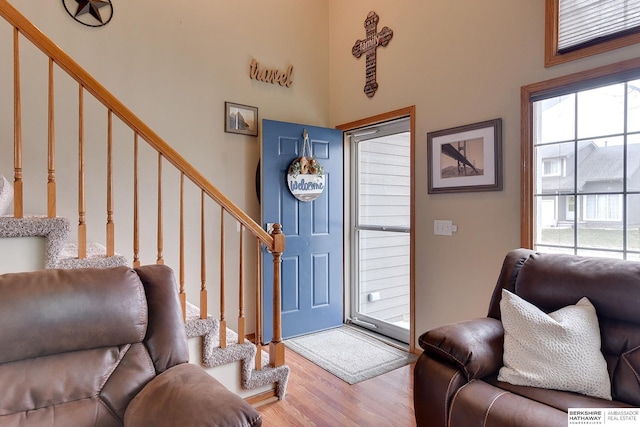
(455, 378)
(103, 347)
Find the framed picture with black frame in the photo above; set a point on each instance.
(465, 158)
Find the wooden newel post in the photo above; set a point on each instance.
(276, 347)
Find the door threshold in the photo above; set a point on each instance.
(385, 339)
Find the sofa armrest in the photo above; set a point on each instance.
(474, 346)
(186, 395)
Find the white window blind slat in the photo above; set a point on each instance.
(583, 21)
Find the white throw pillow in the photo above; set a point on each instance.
(6, 194)
(559, 350)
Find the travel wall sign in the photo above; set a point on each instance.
(370, 47)
(270, 75)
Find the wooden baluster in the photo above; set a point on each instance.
(51, 149)
(18, 207)
(241, 331)
(203, 261)
(160, 259)
(183, 295)
(82, 226)
(276, 346)
(258, 337)
(110, 224)
(136, 217)
(223, 322)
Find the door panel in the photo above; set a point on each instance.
(312, 262)
(382, 232)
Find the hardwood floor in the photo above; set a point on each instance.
(317, 398)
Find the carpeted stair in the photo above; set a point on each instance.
(96, 257)
(63, 254)
(59, 252)
(245, 352)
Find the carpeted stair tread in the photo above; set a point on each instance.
(197, 327)
(96, 257)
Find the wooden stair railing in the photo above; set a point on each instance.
(274, 242)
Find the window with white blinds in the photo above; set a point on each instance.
(583, 23)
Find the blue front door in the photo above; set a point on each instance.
(312, 261)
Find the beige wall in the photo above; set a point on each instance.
(174, 64)
(458, 62)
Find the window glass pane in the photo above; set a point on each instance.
(555, 121)
(601, 111)
(633, 162)
(384, 181)
(633, 102)
(601, 165)
(384, 275)
(554, 250)
(555, 166)
(600, 254)
(633, 222)
(555, 220)
(600, 225)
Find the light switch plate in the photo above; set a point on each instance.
(442, 227)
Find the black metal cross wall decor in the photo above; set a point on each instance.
(370, 47)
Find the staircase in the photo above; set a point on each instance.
(205, 350)
(214, 345)
(203, 334)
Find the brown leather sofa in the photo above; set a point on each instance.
(455, 378)
(103, 347)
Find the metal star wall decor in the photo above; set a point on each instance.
(92, 13)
